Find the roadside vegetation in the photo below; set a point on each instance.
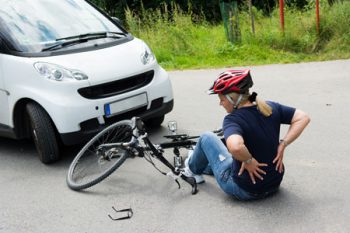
(182, 40)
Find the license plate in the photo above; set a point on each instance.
(127, 104)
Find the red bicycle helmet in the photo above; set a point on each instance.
(238, 81)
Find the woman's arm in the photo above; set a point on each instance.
(299, 121)
(239, 151)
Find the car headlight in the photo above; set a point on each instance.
(147, 55)
(58, 73)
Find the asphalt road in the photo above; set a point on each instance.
(314, 197)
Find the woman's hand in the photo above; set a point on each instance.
(253, 169)
(279, 157)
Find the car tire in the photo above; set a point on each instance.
(43, 133)
(154, 122)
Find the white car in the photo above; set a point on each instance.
(67, 70)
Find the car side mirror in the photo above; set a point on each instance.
(117, 20)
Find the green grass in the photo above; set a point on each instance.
(178, 43)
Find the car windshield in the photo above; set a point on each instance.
(33, 25)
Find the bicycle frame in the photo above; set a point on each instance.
(133, 146)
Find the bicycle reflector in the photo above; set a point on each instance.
(172, 125)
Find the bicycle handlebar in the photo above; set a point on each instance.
(166, 145)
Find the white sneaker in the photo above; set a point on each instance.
(187, 171)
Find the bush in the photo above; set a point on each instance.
(209, 8)
(180, 42)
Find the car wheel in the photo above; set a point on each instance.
(43, 133)
(154, 122)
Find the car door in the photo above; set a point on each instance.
(4, 109)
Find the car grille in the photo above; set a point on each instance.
(117, 87)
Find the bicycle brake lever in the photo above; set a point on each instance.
(178, 183)
(176, 136)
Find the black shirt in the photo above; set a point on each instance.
(261, 136)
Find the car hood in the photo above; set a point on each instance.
(107, 64)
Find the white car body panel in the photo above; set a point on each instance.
(60, 98)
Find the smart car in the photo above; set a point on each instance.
(68, 70)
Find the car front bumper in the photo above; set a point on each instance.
(91, 127)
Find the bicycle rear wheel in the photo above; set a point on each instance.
(91, 165)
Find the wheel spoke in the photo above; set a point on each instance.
(90, 167)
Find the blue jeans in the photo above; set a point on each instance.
(211, 151)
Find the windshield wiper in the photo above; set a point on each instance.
(95, 35)
(71, 40)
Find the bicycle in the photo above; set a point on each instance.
(108, 150)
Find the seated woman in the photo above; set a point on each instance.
(251, 166)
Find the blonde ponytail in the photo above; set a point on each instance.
(263, 107)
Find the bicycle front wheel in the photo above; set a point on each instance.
(92, 165)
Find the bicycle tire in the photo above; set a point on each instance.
(89, 168)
